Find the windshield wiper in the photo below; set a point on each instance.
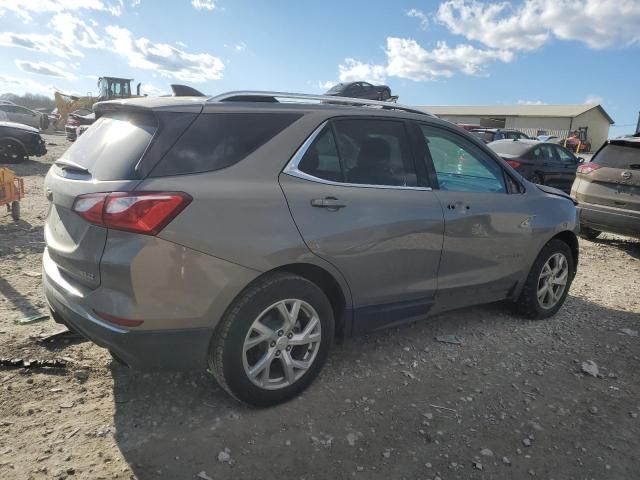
(65, 164)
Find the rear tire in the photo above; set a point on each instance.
(542, 271)
(12, 152)
(589, 233)
(15, 210)
(254, 368)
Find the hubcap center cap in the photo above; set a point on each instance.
(282, 342)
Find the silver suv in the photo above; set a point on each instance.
(245, 231)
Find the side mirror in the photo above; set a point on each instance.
(580, 160)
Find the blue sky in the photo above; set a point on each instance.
(459, 52)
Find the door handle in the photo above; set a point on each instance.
(459, 206)
(330, 203)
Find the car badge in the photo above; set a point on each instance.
(626, 175)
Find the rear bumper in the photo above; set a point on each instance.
(609, 219)
(143, 350)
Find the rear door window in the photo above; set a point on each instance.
(375, 152)
(626, 157)
(219, 140)
(321, 159)
(564, 155)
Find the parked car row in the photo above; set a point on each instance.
(10, 112)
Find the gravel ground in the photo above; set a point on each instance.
(511, 402)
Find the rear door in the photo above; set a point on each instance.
(616, 183)
(359, 203)
(553, 170)
(102, 160)
(487, 234)
(570, 165)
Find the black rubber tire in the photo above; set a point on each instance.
(12, 152)
(589, 233)
(527, 303)
(15, 210)
(225, 351)
(44, 122)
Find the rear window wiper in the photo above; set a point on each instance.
(65, 164)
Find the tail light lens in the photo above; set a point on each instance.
(588, 167)
(139, 212)
(514, 163)
(73, 122)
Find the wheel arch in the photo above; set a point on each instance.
(339, 298)
(571, 240)
(17, 140)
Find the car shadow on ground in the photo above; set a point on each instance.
(20, 301)
(174, 425)
(628, 245)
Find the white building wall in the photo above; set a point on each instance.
(598, 127)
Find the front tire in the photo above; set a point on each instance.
(548, 283)
(12, 152)
(15, 210)
(273, 340)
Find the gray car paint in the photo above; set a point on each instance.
(250, 218)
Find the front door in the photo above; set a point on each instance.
(569, 166)
(358, 202)
(487, 224)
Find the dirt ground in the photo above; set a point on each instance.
(510, 402)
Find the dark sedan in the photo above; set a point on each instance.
(540, 162)
(360, 90)
(18, 142)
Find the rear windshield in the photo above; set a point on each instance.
(619, 156)
(509, 147)
(336, 88)
(219, 140)
(112, 147)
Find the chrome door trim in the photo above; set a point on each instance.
(292, 169)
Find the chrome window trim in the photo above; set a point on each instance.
(292, 168)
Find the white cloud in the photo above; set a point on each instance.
(594, 99)
(25, 8)
(597, 23)
(236, 47)
(45, 69)
(135, 3)
(531, 102)
(324, 86)
(420, 15)
(152, 90)
(354, 70)
(17, 85)
(73, 31)
(203, 5)
(166, 59)
(45, 43)
(407, 59)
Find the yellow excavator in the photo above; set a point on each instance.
(109, 88)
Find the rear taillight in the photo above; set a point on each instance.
(588, 167)
(514, 163)
(73, 122)
(139, 212)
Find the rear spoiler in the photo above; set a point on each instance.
(185, 91)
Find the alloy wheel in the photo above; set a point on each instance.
(281, 344)
(552, 281)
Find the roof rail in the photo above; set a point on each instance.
(262, 96)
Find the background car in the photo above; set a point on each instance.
(539, 162)
(491, 134)
(360, 90)
(18, 142)
(18, 114)
(608, 189)
(76, 120)
(549, 138)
